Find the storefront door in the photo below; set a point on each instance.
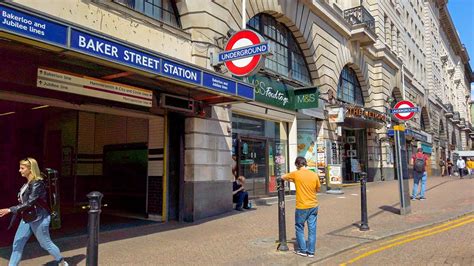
(253, 165)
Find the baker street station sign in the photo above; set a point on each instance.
(275, 93)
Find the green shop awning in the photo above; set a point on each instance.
(272, 92)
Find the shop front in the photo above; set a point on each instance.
(96, 109)
(266, 132)
(355, 125)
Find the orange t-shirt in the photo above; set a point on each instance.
(307, 185)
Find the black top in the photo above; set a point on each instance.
(236, 186)
(35, 194)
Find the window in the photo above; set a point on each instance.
(287, 60)
(422, 122)
(162, 10)
(348, 89)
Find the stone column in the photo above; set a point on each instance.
(207, 165)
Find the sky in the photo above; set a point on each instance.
(462, 14)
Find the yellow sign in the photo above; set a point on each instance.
(399, 128)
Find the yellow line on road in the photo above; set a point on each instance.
(432, 232)
(419, 232)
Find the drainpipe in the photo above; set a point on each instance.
(244, 11)
(403, 81)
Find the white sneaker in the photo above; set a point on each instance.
(63, 262)
(300, 253)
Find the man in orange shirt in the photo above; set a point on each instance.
(307, 185)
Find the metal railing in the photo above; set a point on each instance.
(152, 10)
(360, 15)
(449, 107)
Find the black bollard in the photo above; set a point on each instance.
(364, 225)
(95, 199)
(282, 246)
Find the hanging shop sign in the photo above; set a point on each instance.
(244, 53)
(366, 113)
(336, 115)
(404, 110)
(92, 87)
(46, 30)
(306, 98)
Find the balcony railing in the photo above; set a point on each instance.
(450, 110)
(360, 15)
(456, 117)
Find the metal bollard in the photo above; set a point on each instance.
(282, 246)
(364, 225)
(95, 199)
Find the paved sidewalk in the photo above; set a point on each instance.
(249, 237)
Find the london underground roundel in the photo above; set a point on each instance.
(404, 110)
(243, 53)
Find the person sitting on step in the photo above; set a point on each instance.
(240, 196)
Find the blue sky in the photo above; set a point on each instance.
(462, 14)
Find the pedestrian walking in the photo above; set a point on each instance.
(307, 185)
(34, 212)
(461, 166)
(449, 164)
(442, 165)
(419, 174)
(470, 166)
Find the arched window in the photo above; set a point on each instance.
(441, 127)
(348, 89)
(422, 123)
(287, 59)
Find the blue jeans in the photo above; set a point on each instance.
(40, 229)
(416, 179)
(241, 198)
(311, 217)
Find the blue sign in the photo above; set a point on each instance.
(113, 51)
(245, 91)
(31, 26)
(182, 72)
(217, 83)
(405, 110)
(410, 132)
(248, 51)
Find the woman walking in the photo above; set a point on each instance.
(34, 211)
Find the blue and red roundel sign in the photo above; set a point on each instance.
(404, 110)
(243, 53)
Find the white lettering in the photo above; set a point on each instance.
(180, 72)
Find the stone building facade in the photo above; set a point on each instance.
(363, 58)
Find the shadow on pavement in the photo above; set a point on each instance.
(75, 260)
(390, 209)
(108, 233)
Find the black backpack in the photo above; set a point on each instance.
(419, 164)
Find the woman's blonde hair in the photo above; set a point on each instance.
(32, 165)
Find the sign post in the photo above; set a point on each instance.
(401, 169)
